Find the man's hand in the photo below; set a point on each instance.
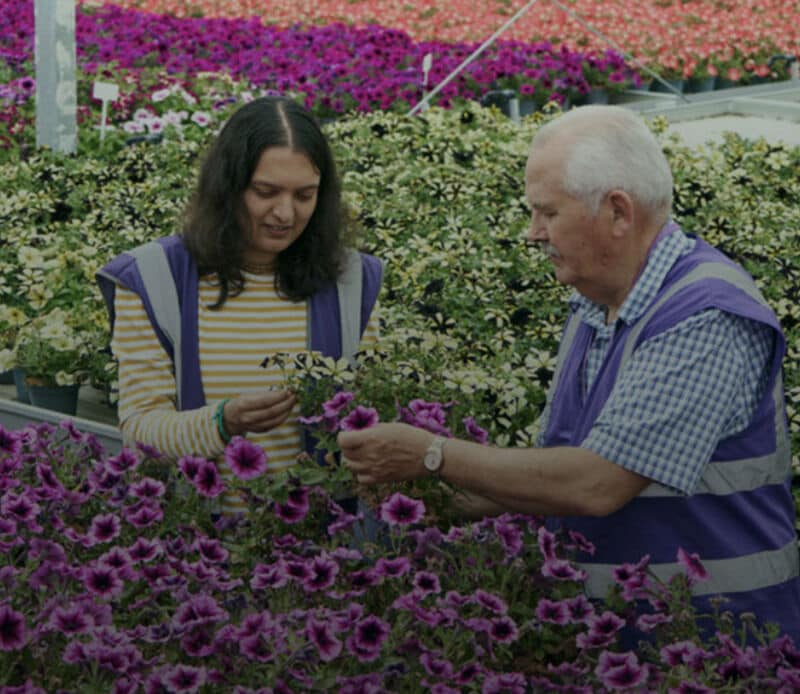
(257, 412)
(385, 452)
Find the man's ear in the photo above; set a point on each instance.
(622, 210)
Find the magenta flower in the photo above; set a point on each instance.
(399, 509)
(269, 576)
(125, 460)
(12, 629)
(257, 648)
(337, 403)
(360, 418)
(104, 528)
(289, 513)
(10, 443)
(510, 536)
(189, 465)
(324, 638)
(245, 459)
(695, 570)
(19, 507)
(322, 573)
(552, 611)
(504, 630)
(70, 620)
(201, 609)
(436, 666)
(211, 550)
(475, 432)
(144, 550)
(562, 570)
(145, 513)
(207, 480)
(620, 670)
(184, 678)
(367, 638)
(426, 583)
(426, 415)
(392, 568)
(148, 488)
(103, 581)
(580, 608)
(648, 622)
(547, 543)
(491, 602)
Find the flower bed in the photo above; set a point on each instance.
(116, 579)
(735, 34)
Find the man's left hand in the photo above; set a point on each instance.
(385, 453)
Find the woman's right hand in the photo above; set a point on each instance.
(257, 412)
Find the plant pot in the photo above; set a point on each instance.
(7, 377)
(596, 95)
(57, 398)
(22, 389)
(695, 85)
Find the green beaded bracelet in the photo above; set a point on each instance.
(218, 418)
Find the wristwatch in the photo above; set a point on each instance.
(433, 456)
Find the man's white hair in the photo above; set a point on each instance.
(609, 148)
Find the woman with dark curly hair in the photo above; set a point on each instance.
(263, 265)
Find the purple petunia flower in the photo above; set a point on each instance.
(12, 629)
(145, 513)
(436, 666)
(184, 678)
(104, 528)
(562, 570)
(648, 622)
(360, 418)
(197, 642)
(620, 670)
(189, 465)
(19, 507)
(246, 460)
(695, 570)
(323, 637)
(367, 638)
(337, 403)
(491, 602)
(510, 536)
(207, 480)
(148, 488)
(476, 433)
(552, 611)
(144, 550)
(269, 576)
(322, 573)
(211, 550)
(399, 509)
(580, 608)
(257, 648)
(70, 620)
(125, 460)
(426, 583)
(504, 630)
(290, 514)
(392, 568)
(103, 581)
(200, 610)
(547, 543)
(10, 443)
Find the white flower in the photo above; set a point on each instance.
(160, 95)
(201, 118)
(156, 125)
(142, 115)
(133, 127)
(30, 257)
(6, 360)
(65, 379)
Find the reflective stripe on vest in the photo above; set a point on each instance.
(154, 269)
(750, 572)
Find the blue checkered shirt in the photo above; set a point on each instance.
(682, 391)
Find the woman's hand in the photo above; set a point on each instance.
(257, 412)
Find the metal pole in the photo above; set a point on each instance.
(56, 90)
(424, 102)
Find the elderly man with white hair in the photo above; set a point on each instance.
(665, 429)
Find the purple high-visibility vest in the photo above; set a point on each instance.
(165, 277)
(740, 519)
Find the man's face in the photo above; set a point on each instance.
(575, 239)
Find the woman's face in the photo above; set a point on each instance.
(280, 199)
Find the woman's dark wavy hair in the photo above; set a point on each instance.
(215, 230)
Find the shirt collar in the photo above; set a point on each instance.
(669, 245)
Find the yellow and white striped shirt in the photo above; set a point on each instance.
(233, 342)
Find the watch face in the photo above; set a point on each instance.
(432, 460)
